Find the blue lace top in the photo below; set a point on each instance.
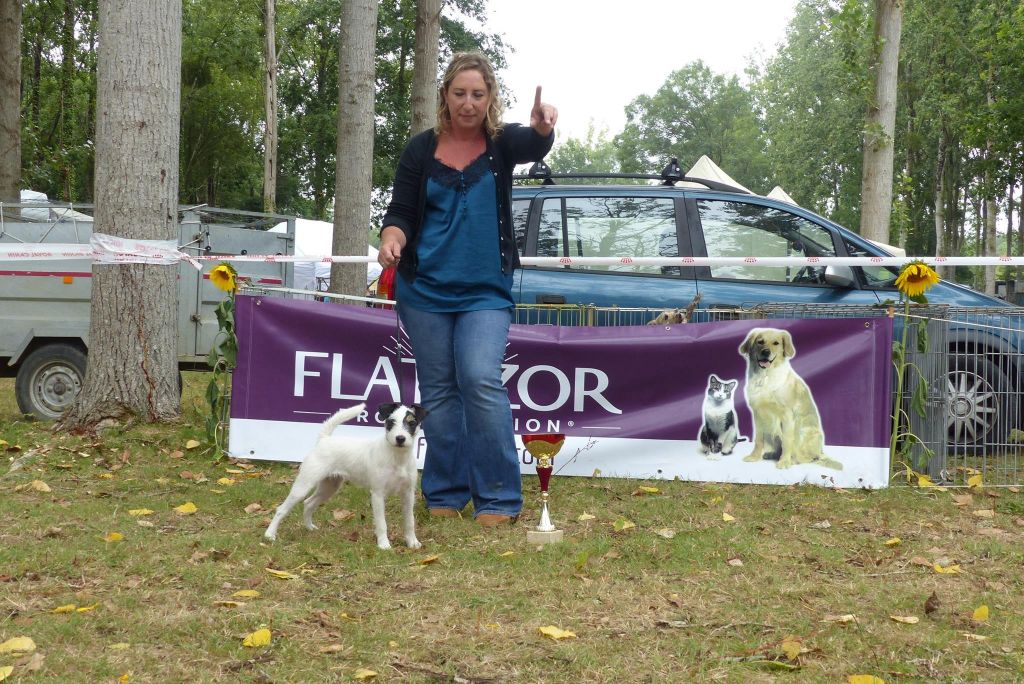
(459, 259)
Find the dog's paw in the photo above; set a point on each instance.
(752, 457)
(384, 545)
(270, 536)
(311, 526)
(413, 543)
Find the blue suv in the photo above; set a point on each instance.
(694, 217)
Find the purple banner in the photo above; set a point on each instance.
(766, 401)
(300, 361)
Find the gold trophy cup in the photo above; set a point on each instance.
(543, 448)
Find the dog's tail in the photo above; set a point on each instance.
(342, 416)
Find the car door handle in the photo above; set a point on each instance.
(550, 299)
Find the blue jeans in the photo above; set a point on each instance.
(471, 451)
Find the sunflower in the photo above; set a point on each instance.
(223, 276)
(916, 278)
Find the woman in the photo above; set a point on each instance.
(449, 231)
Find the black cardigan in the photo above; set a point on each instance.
(516, 144)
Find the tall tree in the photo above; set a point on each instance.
(10, 100)
(354, 161)
(133, 329)
(270, 107)
(880, 128)
(424, 75)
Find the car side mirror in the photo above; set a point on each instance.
(839, 276)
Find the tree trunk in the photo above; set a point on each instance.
(270, 109)
(991, 248)
(941, 244)
(354, 180)
(133, 333)
(10, 102)
(424, 74)
(876, 181)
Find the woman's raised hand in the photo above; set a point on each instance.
(543, 116)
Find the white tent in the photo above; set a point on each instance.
(314, 238)
(47, 213)
(709, 170)
(778, 193)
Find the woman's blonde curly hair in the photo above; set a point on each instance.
(463, 61)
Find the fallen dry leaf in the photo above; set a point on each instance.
(139, 512)
(246, 593)
(427, 560)
(963, 499)
(791, 647)
(18, 645)
(192, 444)
(984, 513)
(5, 672)
(282, 574)
(949, 570)
(258, 639)
(342, 514)
(584, 517)
(727, 518)
(113, 537)
(864, 679)
(974, 637)
(187, 508)
(895, 541)
(253, 508)
(622, 524)
(506, 554)
(918, 560)
(39, 486)
(333, 648)
(980, 614)
(974, 481)
(225, 481)
(364, 675)
(848, 617)
(735, 562)
(556, 633)
(905, 619)
(86, 609)
(666, 533)
(69, 608)
(228, 604)
(642, 490)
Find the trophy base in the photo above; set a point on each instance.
(539, 537)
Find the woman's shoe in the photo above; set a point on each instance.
(444, 513)
(495, 519)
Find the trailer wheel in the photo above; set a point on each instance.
(49, 380)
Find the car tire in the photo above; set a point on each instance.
(49, 380)
(976, 416)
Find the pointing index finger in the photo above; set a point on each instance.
(536, 100)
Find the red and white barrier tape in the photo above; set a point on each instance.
(107, 249)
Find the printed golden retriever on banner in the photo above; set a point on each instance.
(787, 425)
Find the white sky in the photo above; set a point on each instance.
(592, 57)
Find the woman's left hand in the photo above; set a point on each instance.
(543, 116)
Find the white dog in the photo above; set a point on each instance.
(384, 465)
(787, 425)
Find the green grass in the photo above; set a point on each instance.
(644, 607)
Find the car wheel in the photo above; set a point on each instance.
(49, 380)
(975, 388)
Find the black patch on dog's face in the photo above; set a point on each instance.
(387, 409)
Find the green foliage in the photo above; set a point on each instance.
(696, 112)
(222, 359)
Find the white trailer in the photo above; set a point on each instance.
(44, 305)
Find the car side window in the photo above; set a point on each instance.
(520, 215)
(610, 226)
(874, 276)
(741, 229)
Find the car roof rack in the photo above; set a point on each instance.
(670, 175)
